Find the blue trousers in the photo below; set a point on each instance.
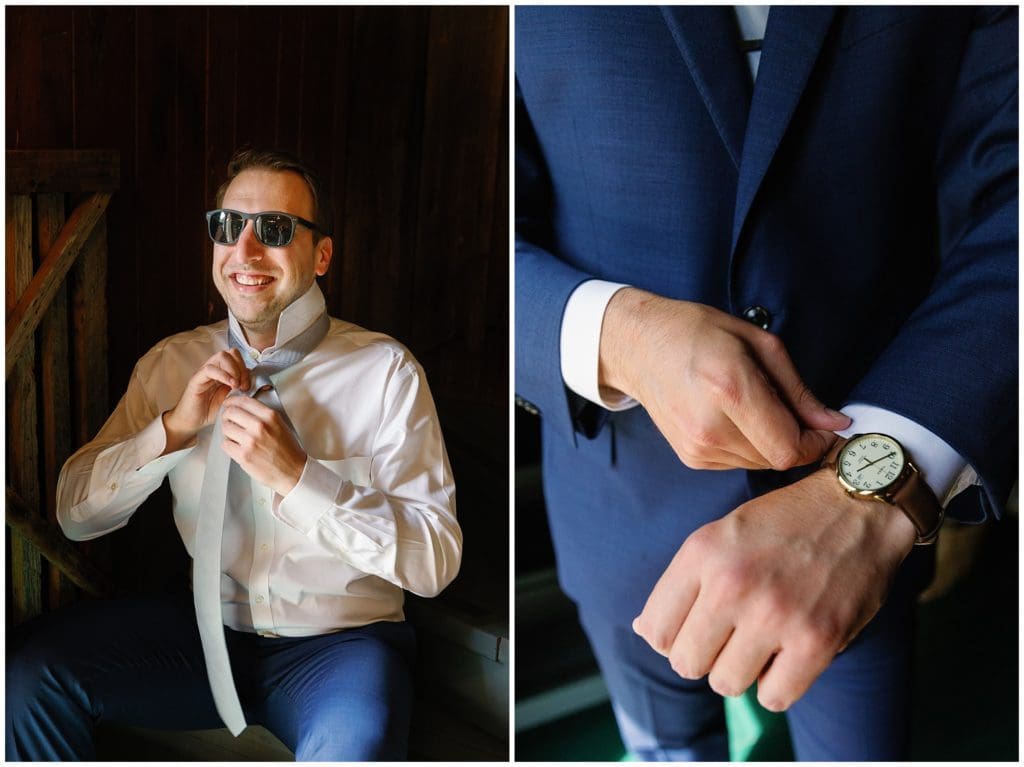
(857, 710)
(138, 661)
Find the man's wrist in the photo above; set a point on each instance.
(175, 436)
(895, 524)
(619, 339)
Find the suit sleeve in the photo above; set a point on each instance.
(964, 333)
(543, 285)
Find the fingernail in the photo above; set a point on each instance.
(837, 414)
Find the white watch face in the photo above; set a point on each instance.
(871, 461)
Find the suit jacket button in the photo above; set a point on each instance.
(758, 315)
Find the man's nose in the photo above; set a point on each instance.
(248, 247)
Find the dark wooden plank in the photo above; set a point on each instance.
(335, 145)
(463, 113)
(55, 405)
(257, 84)
(383, 154)
(291, 55)
(105, 90)
(222, 46)
(189, 174)
(22, 442)
(494, 388)
(89, 374)
(39, 73)
(62, 170)
(157, 239)
(24, 318)
(44, 537)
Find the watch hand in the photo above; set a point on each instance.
(872, 463)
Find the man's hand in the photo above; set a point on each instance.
(204, 394)
(259, 440)
(775, 589)
(723, 392)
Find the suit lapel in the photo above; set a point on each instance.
(707, 40)
(793, 40)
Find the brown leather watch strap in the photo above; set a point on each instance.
(918, 502)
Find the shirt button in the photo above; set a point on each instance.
(113, 487)
(264, 547)
(261, 501)
(259, 599)
(758, 315)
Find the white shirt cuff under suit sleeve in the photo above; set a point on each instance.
(580, 343)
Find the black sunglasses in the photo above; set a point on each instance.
(273, 228)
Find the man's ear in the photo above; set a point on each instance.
(324, 253)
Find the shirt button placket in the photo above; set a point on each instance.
(263, 533)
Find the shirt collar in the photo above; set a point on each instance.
(297, 316)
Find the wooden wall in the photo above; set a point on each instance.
(403, 110)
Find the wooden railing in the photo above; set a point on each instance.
(56, 360)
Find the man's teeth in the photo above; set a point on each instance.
(249, 279)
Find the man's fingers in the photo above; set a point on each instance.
(216, 373)
(779, 367)
(788, 677)
(670, 601)
(702, 635)
(741, 661)
(720, 446)
(764, 419)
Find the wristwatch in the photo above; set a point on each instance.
(876, 467)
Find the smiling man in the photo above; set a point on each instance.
(311, 487)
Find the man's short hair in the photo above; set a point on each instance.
(248, 158)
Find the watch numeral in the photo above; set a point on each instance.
(886, 446)
(874, 444)
(890, 475)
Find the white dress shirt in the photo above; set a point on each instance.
(372, 514)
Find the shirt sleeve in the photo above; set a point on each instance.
(580, 343)
(401, 526)
(107, 479)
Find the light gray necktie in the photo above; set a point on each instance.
(221, 472)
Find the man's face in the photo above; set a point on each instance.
(258, 282)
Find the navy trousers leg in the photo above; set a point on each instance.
(138, 661)
(661, 716)
(858, 710)
(345, 696)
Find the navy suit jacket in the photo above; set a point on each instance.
(863, 191)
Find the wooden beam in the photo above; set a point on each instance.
(23, 320)
(55, 408)
(63, 170)
(56, 548)
(26, 597)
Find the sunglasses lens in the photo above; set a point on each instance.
(274, 230)
(225, 227)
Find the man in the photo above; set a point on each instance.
(732, 216)
(314, 447)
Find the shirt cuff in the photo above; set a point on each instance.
(580, 343)
(311, 498)
(942, 467)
